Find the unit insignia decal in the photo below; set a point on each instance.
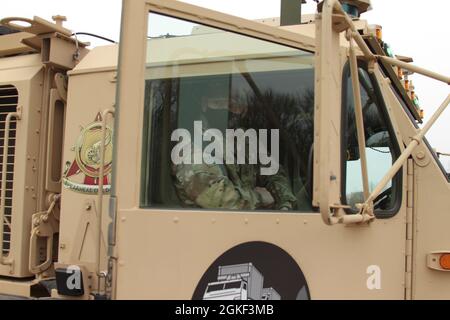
(83, 173)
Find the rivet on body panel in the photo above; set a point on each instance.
(123, 219)
(420, 155)
(213, 221)
(176, 220)
(246, 221)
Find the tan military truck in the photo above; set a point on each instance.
(203, 140)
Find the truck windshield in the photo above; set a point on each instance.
(233, 285)
(228, 121)
(215, 287)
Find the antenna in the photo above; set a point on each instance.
(291, 12)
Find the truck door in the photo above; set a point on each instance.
(217, 160)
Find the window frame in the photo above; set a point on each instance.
(382, 108)
(130, 91)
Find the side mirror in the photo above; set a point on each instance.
(378, 140)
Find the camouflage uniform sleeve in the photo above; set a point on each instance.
(208, 187)
(278, 185)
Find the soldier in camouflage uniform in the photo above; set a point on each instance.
(233, 187)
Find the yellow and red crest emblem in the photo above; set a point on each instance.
(83, 174)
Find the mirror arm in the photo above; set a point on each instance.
(415, 69)
(416, 140)
(367, 207)
(359, 118)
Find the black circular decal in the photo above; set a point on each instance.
(253, 271)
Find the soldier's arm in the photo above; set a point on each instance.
(278, 185)
(208, 187)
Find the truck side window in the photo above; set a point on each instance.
(228, 121)
(381, 146)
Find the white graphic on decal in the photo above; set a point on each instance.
(239, 282)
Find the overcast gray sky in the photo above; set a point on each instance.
(415, 28)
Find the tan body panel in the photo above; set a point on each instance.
(177, 254)
(430, 219)
(89, 95)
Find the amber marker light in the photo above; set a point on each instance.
(445, 261)
(407, 85)
(379, 33)
(400, 73)
(422, 114)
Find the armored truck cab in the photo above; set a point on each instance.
(203, 140)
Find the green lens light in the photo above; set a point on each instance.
(388, 50)
(350, 10)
